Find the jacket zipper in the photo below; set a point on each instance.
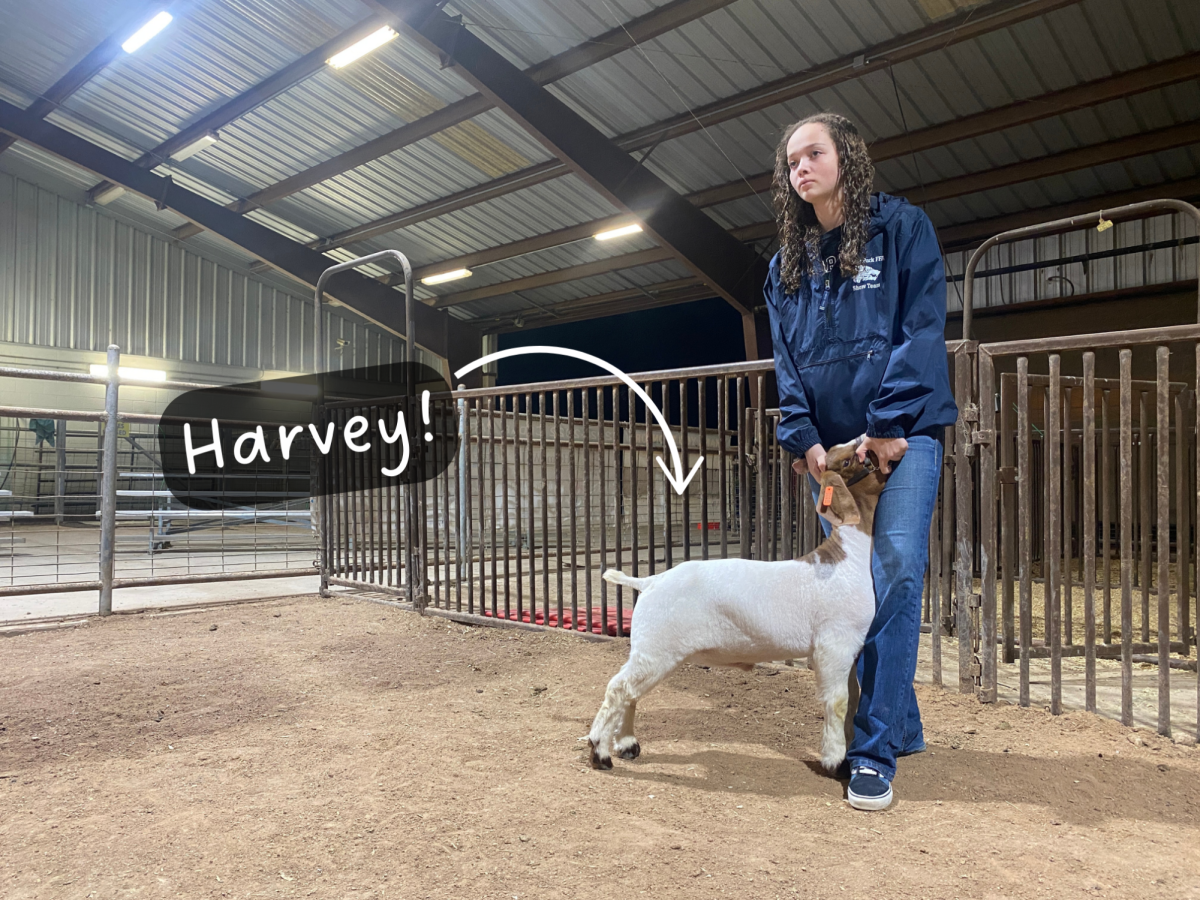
(825, 362)
(827, 306)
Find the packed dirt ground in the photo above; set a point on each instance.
(340, 748)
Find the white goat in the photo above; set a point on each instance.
(738, 612)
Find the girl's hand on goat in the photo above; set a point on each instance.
(886, 450)
(814, 462)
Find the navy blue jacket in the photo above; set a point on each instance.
(865, 352)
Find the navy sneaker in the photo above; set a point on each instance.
(868, 789)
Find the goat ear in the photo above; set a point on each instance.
(835, 502)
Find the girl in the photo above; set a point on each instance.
(857, 302)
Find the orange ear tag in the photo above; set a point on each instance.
(827, 500)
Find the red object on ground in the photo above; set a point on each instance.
(581, 620)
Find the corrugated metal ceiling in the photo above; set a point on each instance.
(218, 50)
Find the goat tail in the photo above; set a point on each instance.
(615, 576)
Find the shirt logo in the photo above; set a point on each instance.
(866, 275)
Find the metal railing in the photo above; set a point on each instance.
(94, 516)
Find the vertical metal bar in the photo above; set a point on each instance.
(601, 454)
(1008, 511)
(743, 475)
(516, 546)
(530, 496)
(571, 478)
(1106, 515)
(108, 481)
(649, 484)
(987, 525)
(544, 399)
(1144, 510)
(1126, 500)
(685, 500)
(1162, 426)
(585, 397)
(504, 498)
(619, 477)
(1068, 488)
(491, 499)
(1183, 524)
(558, 518)
(668, 502)
(1194, 436)
(964, 555)
(1024, 525)
(462, 495)
(1054, 526)
(722, 468)
(1047, 490)
(760, 481)
(946, 625)
(635, 534)
(702, 475)
(1088, 463)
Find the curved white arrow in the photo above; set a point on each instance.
(677, 480)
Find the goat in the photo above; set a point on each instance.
(738, 612)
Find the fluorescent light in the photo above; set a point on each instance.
(447, 276)
(107, 194)
(203, 142)
(129, 373)
(147, 31)
(617, 232)
(362, 48)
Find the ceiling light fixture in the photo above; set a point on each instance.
(447, 276)
(131, 373)
(203, 142)
(147, 31)
(106, 194)
(362, 48)
(617, 232)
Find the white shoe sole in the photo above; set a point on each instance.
(869, 804)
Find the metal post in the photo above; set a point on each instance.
(60, 470)
(108, 483)
(462, 539)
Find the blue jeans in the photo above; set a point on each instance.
(888, 723)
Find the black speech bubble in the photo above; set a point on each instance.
(332, 403)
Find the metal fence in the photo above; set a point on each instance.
(83, 505)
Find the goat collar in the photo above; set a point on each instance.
(867, 469)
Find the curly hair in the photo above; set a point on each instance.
(799, 230)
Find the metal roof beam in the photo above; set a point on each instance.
(1023, 111)
(734, 272)
(651, 25)
(456, 341)
(267, 89)
(966, 25)
(84, 70)
(558, 276)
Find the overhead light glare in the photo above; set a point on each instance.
(147, 31)
(447, 276)
(129, 373)
(362, 48)
(617, 232)
(107, 194)
(203, 142)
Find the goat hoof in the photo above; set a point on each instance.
(596, 760)
(633, 751)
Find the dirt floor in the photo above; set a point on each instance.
(340, 748)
